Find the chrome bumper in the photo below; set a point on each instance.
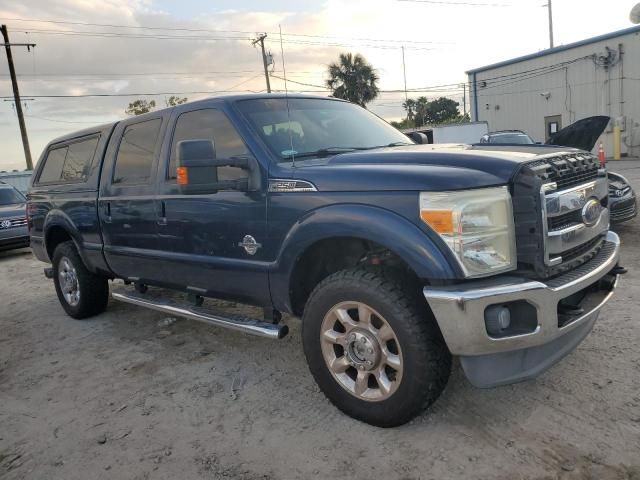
(460, 310)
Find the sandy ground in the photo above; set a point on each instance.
(124, 396)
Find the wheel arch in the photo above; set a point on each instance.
(58, 228)
(336, 237)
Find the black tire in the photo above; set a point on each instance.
(94, 289)
(426, 359)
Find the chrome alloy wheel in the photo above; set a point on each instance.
(361, 351)
(68, 279)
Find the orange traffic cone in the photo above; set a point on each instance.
(601, 157)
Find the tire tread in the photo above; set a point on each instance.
(399, 291)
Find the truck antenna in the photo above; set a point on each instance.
(286, 96)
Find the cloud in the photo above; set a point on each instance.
(70, 64)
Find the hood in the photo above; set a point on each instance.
(13, 210)
(582, 134)
(419, 167)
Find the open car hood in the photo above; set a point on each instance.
(582, 134)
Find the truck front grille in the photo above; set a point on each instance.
(564, 220)
(567, 170)
(589, 247)
(549, 194)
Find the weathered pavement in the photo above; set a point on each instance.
(125, 396)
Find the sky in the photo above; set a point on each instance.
(202, 48)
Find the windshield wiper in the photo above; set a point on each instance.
(322, 152)
(325, 152)
(393, 144)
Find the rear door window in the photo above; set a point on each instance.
(137, 152)
(70, 163)
(52, 169)
(79, 160)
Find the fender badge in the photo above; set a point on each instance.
(250, 245)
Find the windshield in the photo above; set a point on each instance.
(511, 138)
(317, 127)
(9, 196)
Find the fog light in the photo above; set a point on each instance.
(497, 318)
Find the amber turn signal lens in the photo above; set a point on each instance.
(182, 176)
(440, 220)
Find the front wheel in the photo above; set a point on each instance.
(373, 348)
(81, 293)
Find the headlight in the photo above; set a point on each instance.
(477, 225)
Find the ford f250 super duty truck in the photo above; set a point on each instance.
(396, 256)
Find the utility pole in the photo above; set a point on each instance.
(16, 93)
(404, 71)
(260, 40)
(548, 5)
(464, 98)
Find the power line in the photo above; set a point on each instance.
(59, 121)
(472, 4)
(221, 73)
(118, 35)
(140, 94)
(202, 30)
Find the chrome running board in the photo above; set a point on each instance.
(241, 324)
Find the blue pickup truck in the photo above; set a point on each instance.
(395, 255)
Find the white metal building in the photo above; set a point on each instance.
(551, 89)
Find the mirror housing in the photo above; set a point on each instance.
(197, 168)
(418, 137)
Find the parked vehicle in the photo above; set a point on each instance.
(13, 219)
(622, 199)
(396, 256)
(509, 137)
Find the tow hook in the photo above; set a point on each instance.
(618, 270)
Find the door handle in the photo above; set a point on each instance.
(162, 220)
(107, 212)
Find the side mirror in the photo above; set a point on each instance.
(418, 137)
(197, 168)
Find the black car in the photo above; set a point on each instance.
(510, 137)
(622, 199)
(13, 219)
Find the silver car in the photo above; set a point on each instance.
(13, 219)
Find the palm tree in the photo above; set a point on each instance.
(410, 107)
(421, 107)
(353, 78)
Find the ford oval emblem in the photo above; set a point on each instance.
(591, 212)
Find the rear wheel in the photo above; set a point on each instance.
(373, 348)
(81, 293)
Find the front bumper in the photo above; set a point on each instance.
(490, 361)
(623, 208)
(11, 238)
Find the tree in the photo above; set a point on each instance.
(402, 124)
(410, 107)
(138, 107)
(172, 101)
(422, 104)
(459, 119)
(352, 78)
(434, 112)
(442, 110)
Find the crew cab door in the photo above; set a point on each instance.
(201, 235)
(126, 205)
